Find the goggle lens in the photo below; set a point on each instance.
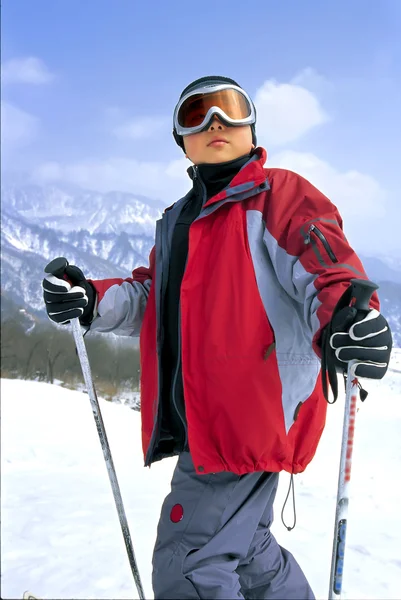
(194, 110)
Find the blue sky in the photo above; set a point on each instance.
(88, 90)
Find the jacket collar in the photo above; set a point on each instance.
(251, 173)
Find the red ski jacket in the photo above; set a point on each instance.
(267, 263)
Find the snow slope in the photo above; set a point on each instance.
(60, 532)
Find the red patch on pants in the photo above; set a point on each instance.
(177, 513)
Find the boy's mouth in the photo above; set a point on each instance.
(218, 142)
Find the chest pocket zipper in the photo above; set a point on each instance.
(268, 351)
(313, 230)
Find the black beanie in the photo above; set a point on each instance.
(210, 80)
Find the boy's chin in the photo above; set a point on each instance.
(223, 155)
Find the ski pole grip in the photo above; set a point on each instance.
(57, 267)
(361, 293)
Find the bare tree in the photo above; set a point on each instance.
(31, 355)
(51, 360)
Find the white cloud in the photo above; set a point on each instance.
(361, 200)
(359, 197)
(141, 127)
(177, 169)
(312, 80)
(166, 181)
(28, 69)
(18, 128)
(48, 172)
(285, 112)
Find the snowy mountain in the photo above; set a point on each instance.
(108, 235)
(69, 208)
(383, 268)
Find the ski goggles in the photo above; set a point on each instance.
(196, 109)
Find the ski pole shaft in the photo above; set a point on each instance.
(337, 559)
(362, 291)
(83, 357)
(57, 268)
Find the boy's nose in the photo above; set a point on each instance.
(215, 124)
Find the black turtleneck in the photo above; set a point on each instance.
(214, 178)
(218, 176)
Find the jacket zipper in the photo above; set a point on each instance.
(177, 369)
(179, 362)
(315, 230)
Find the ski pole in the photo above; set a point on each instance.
(57, 268)
(362, 291)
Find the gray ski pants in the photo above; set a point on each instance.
(214, 540)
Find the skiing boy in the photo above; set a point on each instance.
(247, 272)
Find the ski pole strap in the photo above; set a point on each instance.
(329, 371)
(329, 368)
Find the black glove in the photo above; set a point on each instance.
(364, 336)
(366, 339)
(66, 299)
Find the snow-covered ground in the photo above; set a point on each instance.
(61, 536)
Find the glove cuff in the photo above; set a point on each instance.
(90, 310)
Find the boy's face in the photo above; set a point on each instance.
(218, 143)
